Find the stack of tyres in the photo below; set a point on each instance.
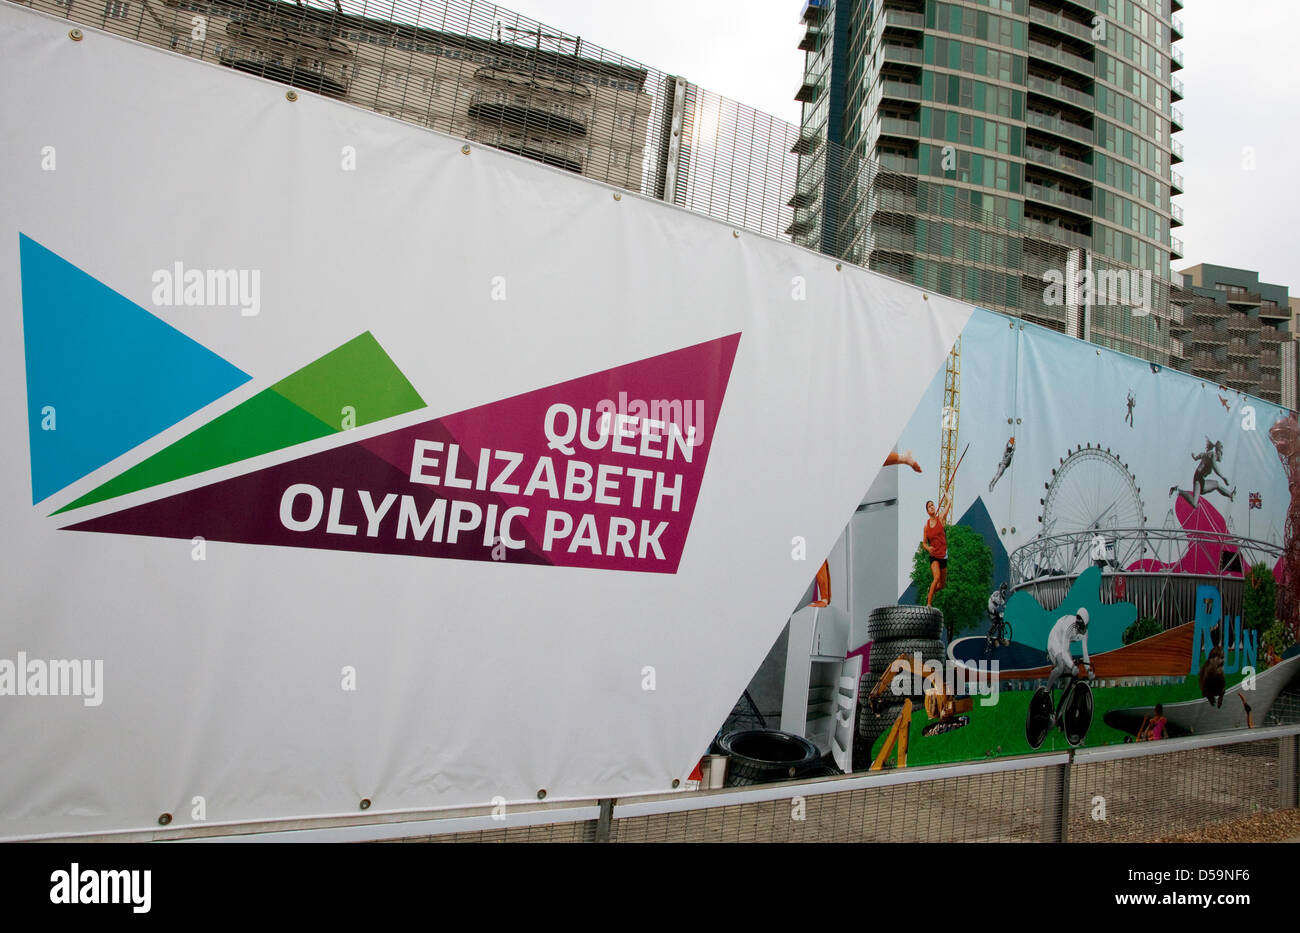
(893, 631)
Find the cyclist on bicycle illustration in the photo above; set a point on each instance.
(999, 630)
(1066, 631)
(1073, 713)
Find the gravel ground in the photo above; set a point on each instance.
(1275, 826)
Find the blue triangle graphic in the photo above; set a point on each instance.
(101, 370)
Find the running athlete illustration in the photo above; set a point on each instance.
(1206, 463)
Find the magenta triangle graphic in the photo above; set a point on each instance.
(602, 471)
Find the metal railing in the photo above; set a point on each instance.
(1056, 160)
(1060, 91)
(1052, 232)
(890, 162)
(895, 126)
(904, 19)
(1061, 57)
(1060, 127)
(1074, 202)
(907, 55)
(1064, 556)
(900, 89)
(1060, 23)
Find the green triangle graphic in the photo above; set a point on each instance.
(358, 374)
(304, 406)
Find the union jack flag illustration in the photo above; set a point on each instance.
(1256, 501)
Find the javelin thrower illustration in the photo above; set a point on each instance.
(1206, 463)
(934, 534)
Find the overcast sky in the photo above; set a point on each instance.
(1241, 84)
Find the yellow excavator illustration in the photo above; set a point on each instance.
(940, 706)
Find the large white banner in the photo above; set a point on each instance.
(348, 465)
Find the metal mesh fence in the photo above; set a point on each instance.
(997, 807)
(1286, 708)
(1144, 795)
(484, 73)
(1147, 798)
(584, 831)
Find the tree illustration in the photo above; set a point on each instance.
(1259, 598)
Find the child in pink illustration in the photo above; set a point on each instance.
(1154, 727)
(1206, 463)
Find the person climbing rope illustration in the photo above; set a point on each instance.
(1004, 463)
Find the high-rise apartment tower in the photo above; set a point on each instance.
(988, 149)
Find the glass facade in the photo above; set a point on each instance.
(995, 140)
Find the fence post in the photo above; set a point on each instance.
(605, 820)
(1288, 771)
(1056, 802)
(669, 171)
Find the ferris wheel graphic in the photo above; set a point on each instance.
(1091, 490)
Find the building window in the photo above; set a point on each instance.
(117, 9)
